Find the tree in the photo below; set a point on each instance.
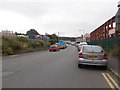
(32, 32)
(48, 35)
(19, 33)
(54, 36)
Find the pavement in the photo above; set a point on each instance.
(113, 64)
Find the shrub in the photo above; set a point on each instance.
(22, 39)
(42, 43)
(48, 43)
(8, 51)
(52, 41)
(115, 51)
(4, 38)
(15, 45)
(33, 44)
(22, 45)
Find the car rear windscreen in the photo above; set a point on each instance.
(52, 46)
(88, 49)
(83, 43)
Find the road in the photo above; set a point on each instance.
(45, 69)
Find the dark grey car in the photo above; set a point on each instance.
(92, 55)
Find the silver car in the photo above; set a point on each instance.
(92, 55)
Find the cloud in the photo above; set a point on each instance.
(66, 16)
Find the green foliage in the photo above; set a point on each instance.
(52, 36)
(19, 33)
(47, 43)
(32, 32)
(15, 45)
(115, 51)
(22, 39)
(34, 43)
(4, 38)
(52, 41)
(48, 35)
(21, 45)
(42, 44)
(7, 51)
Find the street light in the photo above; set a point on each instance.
(58, 37)
(82, 36)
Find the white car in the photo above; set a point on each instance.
(77, 44)
(80, 45)
(83, 43)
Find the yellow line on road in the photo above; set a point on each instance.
(116, 85)
(108, 81)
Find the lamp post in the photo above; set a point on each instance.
(58, 37)
(82, 34)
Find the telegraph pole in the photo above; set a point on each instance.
(58, 37)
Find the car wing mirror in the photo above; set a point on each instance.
(102, 51)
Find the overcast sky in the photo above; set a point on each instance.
(52, 16)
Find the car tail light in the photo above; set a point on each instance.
(105, 56)
(80, 55)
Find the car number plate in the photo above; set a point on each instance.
(93, 57)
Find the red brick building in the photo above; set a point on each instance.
(102, 32)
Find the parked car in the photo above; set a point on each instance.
(67, 45)
(56, 44)
(72, 43)
(54, 48)
(80, 45)
(62, 45)
(92, 55)
(77, 44)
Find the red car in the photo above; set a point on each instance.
(54, 48)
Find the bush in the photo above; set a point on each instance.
(22, 45)
(15, 45)
(10, 46)
(115, 51)
(42, 43)
(22, 39)
(8, 51)
(4, 38)
(47, 43)
(52, 41)
(33, 44)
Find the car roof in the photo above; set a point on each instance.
(92, 45)
(54, 45)
(83, 42)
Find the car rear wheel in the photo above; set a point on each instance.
(104, 67)
(80, 65)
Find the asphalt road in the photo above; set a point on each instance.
(50, 70)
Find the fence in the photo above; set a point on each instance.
(108, 43)
(7, 33)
